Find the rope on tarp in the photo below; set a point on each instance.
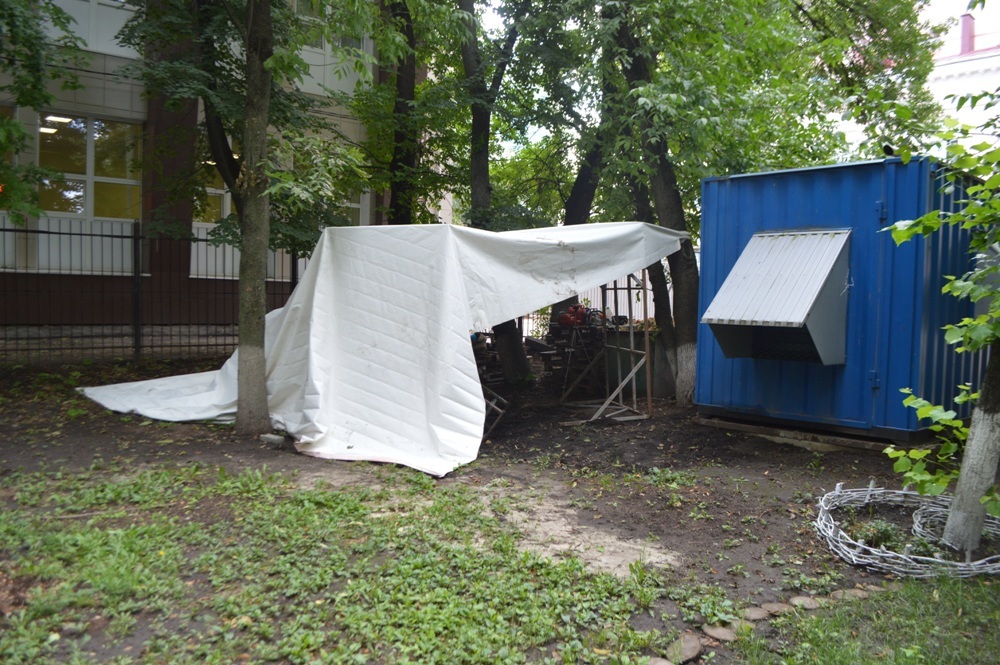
(929, 516)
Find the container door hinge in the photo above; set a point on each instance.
(874, 379)
(881, 211)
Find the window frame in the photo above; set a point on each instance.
(90, 177)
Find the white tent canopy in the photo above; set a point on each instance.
(370, 359)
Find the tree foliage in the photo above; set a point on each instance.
(413, 112)
(37, 48)
(196, 51)
(242, 60)
(875, 53)
(979, 213)
(931, 470)
(642, 99)
(973, 153)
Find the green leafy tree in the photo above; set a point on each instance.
(242, 60)
(973, 152)
(660, 94)
(641, 100)
(874, 53)
(532, 184)
(37, 48)
(932, 469)
(413, 112)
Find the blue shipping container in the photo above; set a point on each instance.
(762, 347)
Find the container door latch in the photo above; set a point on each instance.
(873, 379)
(881, 212)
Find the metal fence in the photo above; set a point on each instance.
(75, 289)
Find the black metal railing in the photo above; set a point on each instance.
(74, 290)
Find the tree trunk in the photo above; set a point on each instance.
(513, 359)
(588, 174)
(980, 463)
(670, 211)
(665, 342)
(479, 167)
(510, 345)
(684, 277)
(481, 111)
(404, 145)
(581, 196)
(252, 416)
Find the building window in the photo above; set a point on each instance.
(98, 22)
(217, 204)
(309, 11)
(353, 209)
(209, 260)
(90, 212)
(213, 261)
(99, 160)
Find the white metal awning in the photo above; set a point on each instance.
(785, 298)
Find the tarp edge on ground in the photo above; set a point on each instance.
(370, 358)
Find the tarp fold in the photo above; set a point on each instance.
(370, 359)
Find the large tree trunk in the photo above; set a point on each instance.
(980, 463)
(683, 274)
(581, 196)
(665, 343)
(404, 145)
(479, 166)
(481, 110)
(252, 413)
(588, 174)
(670, 212)
(514, 360)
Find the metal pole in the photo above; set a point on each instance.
(607, 320)
(632, 362)
(649, 359)
(136, 291)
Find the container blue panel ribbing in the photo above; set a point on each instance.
(895, 308)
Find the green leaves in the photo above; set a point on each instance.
(978, 211)
(933, 468)
(306, 199)
(907, 229)
(914, 467)
(37, 48)
(703, 602)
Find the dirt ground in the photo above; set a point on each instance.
(704, 505)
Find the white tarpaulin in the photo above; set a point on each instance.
(370, 359)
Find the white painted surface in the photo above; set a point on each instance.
(370, 359)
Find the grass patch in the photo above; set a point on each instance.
(940, 622)
(194, 565)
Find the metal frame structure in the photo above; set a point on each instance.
(614, 406)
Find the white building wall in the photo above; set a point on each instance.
(969, 58)
(97, 23)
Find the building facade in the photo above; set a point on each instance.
(968, 63)
(86, 256)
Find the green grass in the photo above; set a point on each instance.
(190, 564)
(193, 565)
(938, 622)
